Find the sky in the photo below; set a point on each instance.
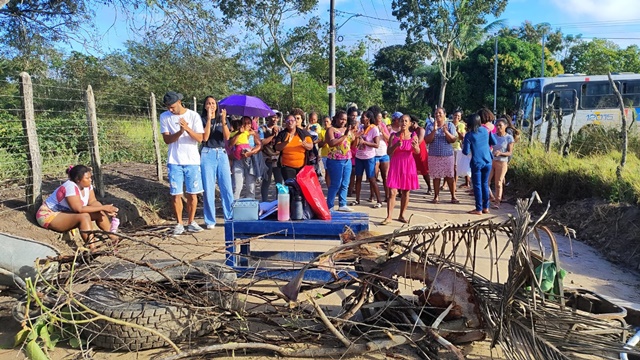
(617, 20)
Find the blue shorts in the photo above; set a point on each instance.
(383, 158)
(368, 166)
(181, 175)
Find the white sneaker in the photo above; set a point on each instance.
(345, 209)
(211, 226)
(193, 227)
(178, 230)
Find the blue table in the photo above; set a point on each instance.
(301, 230)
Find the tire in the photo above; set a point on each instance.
(178, 323)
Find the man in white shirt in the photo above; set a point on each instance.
(182, 130)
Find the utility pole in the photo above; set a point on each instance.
(332, 59)
(542, 71)
(495, 77)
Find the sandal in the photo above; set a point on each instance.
(495, 206)
(377, 206)
(403, 220)
(354, 203)
(485, 211)
(435, 201)
(385, 222)
(475, 212)
(455, 201)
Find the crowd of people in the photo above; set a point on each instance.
(236, 154)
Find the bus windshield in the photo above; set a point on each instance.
(530, 105)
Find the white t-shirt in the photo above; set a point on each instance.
(184, 151)
(58, 200)
(367, 152)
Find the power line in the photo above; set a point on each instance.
(365, 16)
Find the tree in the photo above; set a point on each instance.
(441, 24)
(355, 80)
(396, 66)
(600, 56)
(266, 19)
(591, 57)
(517, 60)
(29, 29)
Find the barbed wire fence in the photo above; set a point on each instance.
(45, 128)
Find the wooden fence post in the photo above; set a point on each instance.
(92, 122)
(33, 186)
(156, 140)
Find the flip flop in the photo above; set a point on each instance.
(435, 201)
(403, 220)
(475, 212)
(485, 211)
(455, 201)
(495, 206)
(385, 222)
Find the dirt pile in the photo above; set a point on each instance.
(613, 229)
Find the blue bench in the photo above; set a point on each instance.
(239, 254)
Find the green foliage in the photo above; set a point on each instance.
(600, 56)
(517, 60)
(562, 179)
(396, 66)
(355, 80)
(446, 27)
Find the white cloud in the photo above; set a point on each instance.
(598, 10)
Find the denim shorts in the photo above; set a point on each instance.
(181, 175)
(383, 158)
(366, 165)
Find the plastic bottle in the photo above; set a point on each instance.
(283, 207)
(115, 222)
(297, 211)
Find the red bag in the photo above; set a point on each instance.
(310, 186)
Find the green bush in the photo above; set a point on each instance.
(562, 179)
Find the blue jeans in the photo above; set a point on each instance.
(340, 174)
(480, 181)
(215, 168)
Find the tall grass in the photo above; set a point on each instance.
(562, 179)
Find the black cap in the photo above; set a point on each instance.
(171, 98)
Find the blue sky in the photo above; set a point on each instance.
(618, 20)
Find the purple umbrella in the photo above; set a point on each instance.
(245, 105)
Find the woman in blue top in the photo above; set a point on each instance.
(477, 142)
(440, 136)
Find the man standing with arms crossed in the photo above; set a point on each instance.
(182, 130)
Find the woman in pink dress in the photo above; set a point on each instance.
(403, 175)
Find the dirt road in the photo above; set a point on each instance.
(586, 269)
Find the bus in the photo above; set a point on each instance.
(597, 103)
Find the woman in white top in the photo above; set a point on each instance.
(367, 141)
(73, 205)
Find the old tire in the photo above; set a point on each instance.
(178, 323)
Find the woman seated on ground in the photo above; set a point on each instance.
(73, 205)
(293, 143)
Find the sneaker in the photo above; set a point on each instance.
(377, 206)
(194, 227)
(178, 230)
(345, 209)
(211, 226)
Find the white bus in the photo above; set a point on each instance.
(597, 103)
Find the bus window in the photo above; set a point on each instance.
(563, 99)
(631, 93)
(530, 106)
(598, 95)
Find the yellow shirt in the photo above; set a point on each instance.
(460, 128)
(242, 139)
(324, 151)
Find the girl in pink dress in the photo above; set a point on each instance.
(403, 175)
